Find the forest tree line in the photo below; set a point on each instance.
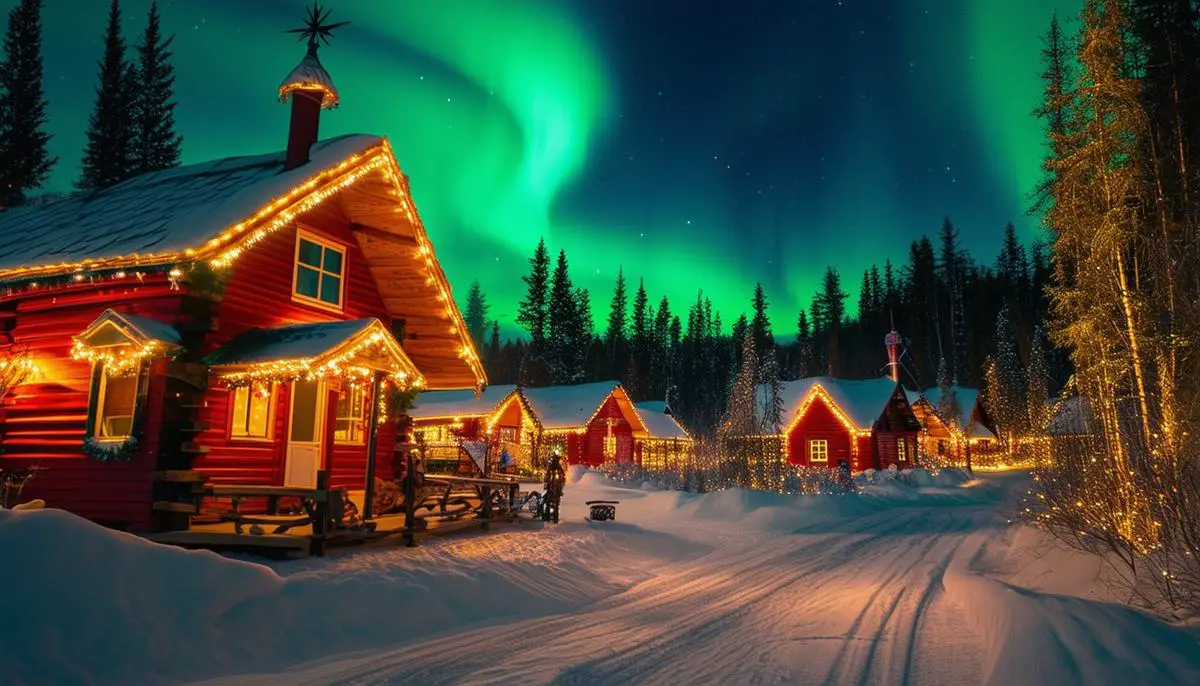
(954, 312)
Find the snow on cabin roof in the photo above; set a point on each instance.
(152, 328)
(1072, 417)
(568, 407)
(658, 423)
(158, 213)
(862, 401)
(296, 342)
(966, 399)
(460, 403)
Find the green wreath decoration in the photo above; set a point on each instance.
(110, 451)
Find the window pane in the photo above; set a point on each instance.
(333, 261)
(331, 289)
(241, 404)
(341, 430)
(116, 416)
(305, 402)
(310, 253)
(260, 412)
(307, 281)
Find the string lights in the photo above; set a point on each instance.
(119, 359)
(343, 364)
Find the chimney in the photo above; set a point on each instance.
(892, 342)
(310, 88)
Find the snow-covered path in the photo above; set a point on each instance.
(903, 584)
(863, 604)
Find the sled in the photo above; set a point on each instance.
(602, 510)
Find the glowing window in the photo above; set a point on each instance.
(252, 411)
(116, 403)
(320, 271)
(508, 434)
(901, 450)
(351, 410)
(818, 450)
(610, 445)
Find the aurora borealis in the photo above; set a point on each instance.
(696, 144)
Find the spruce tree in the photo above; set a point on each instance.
(615, 335)
(760, 324)
(562, 323)
(1054, 109)
(532, 312)
(25, 161)
(1008, 396)
(108, 157)
(829, 314)
(743, 417)
(493, 352)
(804, 361)
(947, 408)
(156, 145)
(1037, 377)
(476, 313)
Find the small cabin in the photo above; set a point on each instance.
(867, 424)
(443, 420)
(973, 422)
(938, 442)
(665, 444)
(590, 423)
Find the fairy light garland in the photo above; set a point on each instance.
(224, 249)
(117, 360)
(340, 366)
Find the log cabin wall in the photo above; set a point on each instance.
(820, 423)
(259, 294)
(45, 423)
(898, 423)
(592, 441)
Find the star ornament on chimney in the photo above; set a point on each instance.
(309, 86)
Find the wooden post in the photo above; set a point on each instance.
(372, 444)
(410, 494)
(320, 524)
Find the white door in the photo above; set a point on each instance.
(304, 435)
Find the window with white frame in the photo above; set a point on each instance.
(901, 450)
(351, 413)
(116, 404)
(818, 450)
(320, 271)
(251, 411)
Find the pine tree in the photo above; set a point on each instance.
(476, 313)
(1054, 109)
(492, 355)
(1007, 398)
(533, 310)
(641, 325)
(948, 408)
(562, 323)
(156, 145)
(25, 161)
(1036, 376)
(829, 313)
(108, 158)
(760, 324)
(773, 409)
(804, 352)
(615, 335)
(950, 268)
(743, 419)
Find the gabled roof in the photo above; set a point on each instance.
(158, 214)
(965, 397)
(215, 211)
(459, 403)
(133, 328)
(659, 424)
(863, 402)
(571, 407)
(312, 346)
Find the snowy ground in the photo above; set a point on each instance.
(900, 585)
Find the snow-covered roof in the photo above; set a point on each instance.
(568, 407)
(296, 342)
(862, 401)
(460, 403)
(658, 423)
(133, 328)
(653, 406)
(159, 213)
(966, 399)
(1072, 417)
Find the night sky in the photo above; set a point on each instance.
(698, 144)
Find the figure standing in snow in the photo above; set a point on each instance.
(556, 478)
(845, 480)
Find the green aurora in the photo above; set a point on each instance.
(694, 147)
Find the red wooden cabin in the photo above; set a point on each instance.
(869, 424)
(236, 318)
(592, 423)
(443, 419)
(665, 444)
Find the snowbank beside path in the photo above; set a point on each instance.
(88, 605)
(1037, 637)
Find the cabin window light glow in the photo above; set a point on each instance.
(351, 406)
(818, 450)
(252, 411)
(901, 450)
(116, 404)
(320, 271)
(508, 434)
